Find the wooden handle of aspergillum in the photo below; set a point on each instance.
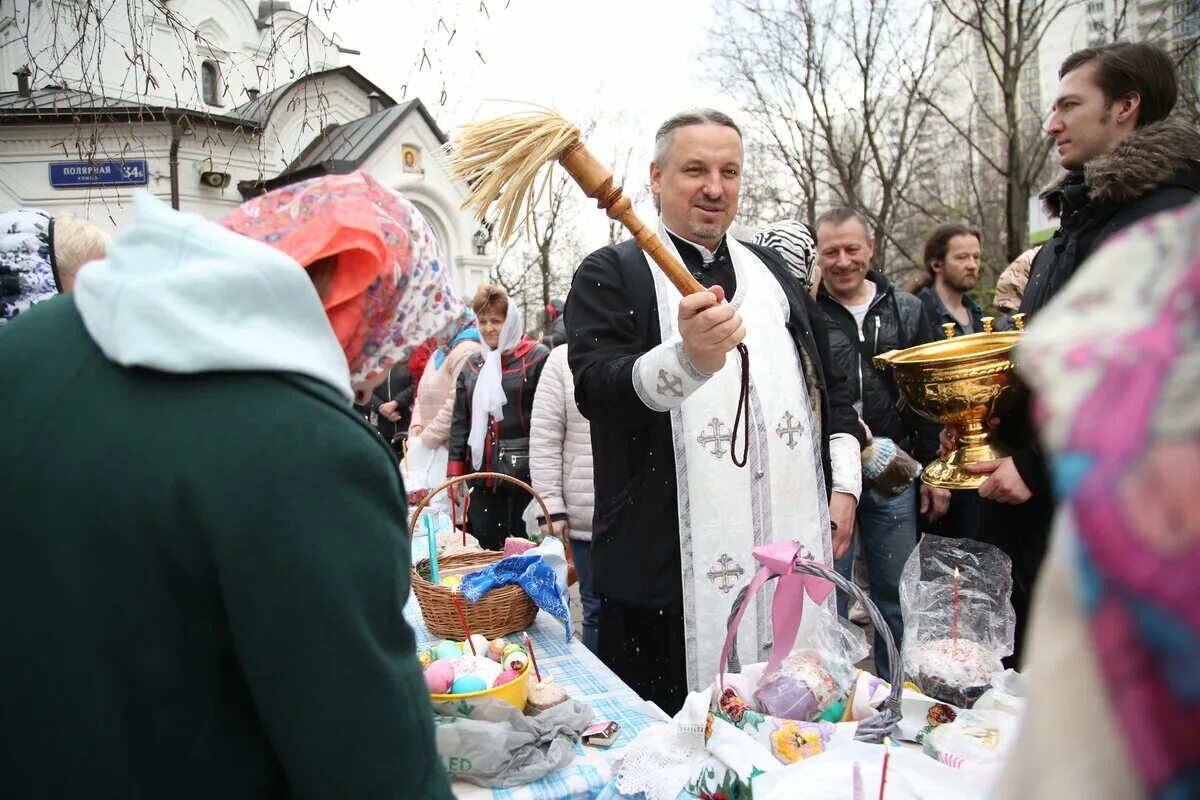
(597, 183)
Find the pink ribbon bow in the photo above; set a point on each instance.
(780, 558)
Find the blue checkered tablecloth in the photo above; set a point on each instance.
(585, 678)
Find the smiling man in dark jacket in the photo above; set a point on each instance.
(868, 316)
(1125, 160)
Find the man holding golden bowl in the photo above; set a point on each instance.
(1124, 159)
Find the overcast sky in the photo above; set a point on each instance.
(627, 64)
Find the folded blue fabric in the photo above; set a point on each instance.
(531, 573)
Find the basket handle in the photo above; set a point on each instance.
(884, 722)
(421, 506)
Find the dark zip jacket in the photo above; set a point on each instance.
(894, 321)
(521, 370)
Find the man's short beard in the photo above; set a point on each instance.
(706, 231)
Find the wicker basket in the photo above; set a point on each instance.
(884, 721)
(501, 611)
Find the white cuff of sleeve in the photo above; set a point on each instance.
(845, 463)
(664, 377)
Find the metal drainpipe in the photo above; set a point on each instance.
(173, 162)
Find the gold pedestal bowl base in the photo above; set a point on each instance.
(947, 472)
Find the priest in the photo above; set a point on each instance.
(676, 517)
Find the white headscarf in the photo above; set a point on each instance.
(488, 398)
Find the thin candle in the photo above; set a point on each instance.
(462, 618)
(431, 538)
(887, 754)
(532, 657)
(956, 609)
(856, 782)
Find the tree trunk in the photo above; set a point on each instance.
(544, 261)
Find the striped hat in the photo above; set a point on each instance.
(794, 243)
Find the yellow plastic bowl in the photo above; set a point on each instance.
(515, 692)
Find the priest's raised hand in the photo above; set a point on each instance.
(710, 328)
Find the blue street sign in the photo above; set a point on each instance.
(72, 174)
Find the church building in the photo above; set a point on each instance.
(205, 103)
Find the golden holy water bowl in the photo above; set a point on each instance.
(962, 381)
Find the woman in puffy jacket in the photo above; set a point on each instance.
(434, 407)
(493, 408)
(560, 460)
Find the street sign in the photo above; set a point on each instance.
(75, 174)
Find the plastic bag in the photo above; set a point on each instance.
(491, 743)
(424, 468)
(954, 661)
(1007, 694)
(788, 740)
(530, 517)
(975, 738)
(818, 674)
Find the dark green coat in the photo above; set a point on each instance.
(201, 582)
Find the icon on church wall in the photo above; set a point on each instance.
(411, 157)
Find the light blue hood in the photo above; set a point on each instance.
(180, 294)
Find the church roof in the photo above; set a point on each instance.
(54, 103)
(340, 149)
(260, 108)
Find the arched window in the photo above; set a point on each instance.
(210, 83)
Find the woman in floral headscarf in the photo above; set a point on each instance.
(1114, 644)
(204, 574)
(385, 289)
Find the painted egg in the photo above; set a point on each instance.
(447, 651)
(515, 659)
(508, 676)
(481, 645)
(425, 657)
(439, 677)
(467, 684)
(495, 650)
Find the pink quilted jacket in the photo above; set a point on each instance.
(435, 396)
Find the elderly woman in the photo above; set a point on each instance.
(203, 574)
(40, 256)
(493, 410)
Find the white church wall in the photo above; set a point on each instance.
(27, 151)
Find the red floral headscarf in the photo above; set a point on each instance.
(390, 289)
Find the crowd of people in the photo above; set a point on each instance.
(204, 573)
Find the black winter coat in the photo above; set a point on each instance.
(521, 370)
(400, 387)
(612, 319)
(1155, 169)
(894, 321)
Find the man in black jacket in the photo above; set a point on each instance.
(390, 407)
(1125, 159)
(868, 316)
(661, 602)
